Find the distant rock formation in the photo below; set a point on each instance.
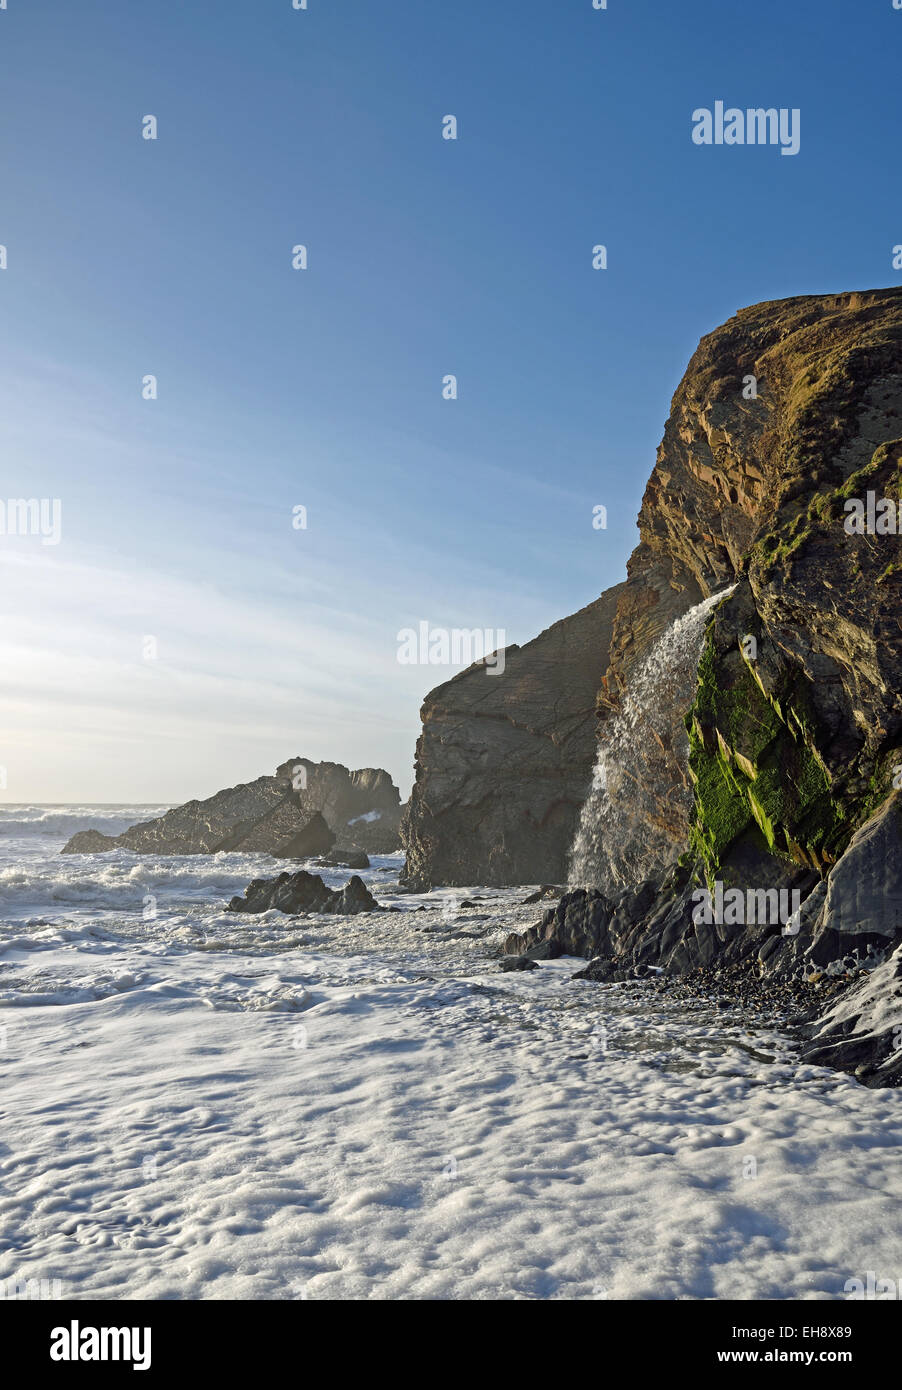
(299, 811)
(304, 892)
(504, 761)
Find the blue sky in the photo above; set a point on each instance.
(322, 387)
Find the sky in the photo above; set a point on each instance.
(186, 633)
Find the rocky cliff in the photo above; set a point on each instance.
(504, 761)
(779, 473)
(786, 412)
(778, 411)
(301, 810)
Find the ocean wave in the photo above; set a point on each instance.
(122, 881)
(119, 885)
(19, 822)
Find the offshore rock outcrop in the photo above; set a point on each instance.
(787, 413)
(304, 892)
(504, 761)
(299, 811)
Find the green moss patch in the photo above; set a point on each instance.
(755, 767)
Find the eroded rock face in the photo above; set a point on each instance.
(795, 730)
(856, 912)
(826, 371)
(798, 720)
(781, 412)
(304, 892)
(751, 489)
(301, 810)
(784, 413)
(504, 761)
(363, 808)
(862, 1032)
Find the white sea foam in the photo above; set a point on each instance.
(206, 1105)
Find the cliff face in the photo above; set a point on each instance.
(783, 412)
(793, 493)
(749, 485)
(301, 810)
(798, 716)
(504, 761)
(826, 372)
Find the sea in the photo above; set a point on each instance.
(196, 1104)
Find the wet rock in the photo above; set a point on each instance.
(90, 842)
(861, 1030)
(601, 970)
(349, 859)
(304, 892)
(518, 963)
(543, 950)
(547, 890)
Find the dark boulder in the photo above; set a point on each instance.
(543, 894)
(510, 963)
(347, 859)
(305, 892)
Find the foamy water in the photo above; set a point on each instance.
(201, 1105)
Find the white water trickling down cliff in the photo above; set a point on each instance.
(640, 786)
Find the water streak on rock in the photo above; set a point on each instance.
(640, 787)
